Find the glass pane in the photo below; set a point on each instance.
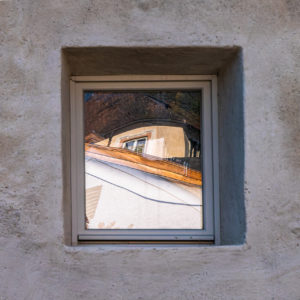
(143, 160)
(140, 146)
(129, 145)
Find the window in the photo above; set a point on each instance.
(136, 145)
(144, 159)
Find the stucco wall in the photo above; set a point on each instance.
(35, 262)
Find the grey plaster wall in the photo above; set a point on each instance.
(35, 261)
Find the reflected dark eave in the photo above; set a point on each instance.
(108, 111)
(143, 123)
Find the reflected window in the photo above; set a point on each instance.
(136, 145)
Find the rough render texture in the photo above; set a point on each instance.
(34, 260)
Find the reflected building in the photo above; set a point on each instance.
(160, 141)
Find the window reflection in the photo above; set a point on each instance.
(143, 160)
(136, 145)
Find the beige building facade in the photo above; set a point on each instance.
(160, 141)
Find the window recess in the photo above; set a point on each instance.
(144, 159)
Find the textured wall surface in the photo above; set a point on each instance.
(35, 263)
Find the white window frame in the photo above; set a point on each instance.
(211, 225)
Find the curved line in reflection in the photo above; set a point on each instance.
(146, 198)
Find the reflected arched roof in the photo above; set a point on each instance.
(111, 112)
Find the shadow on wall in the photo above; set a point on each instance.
(231, 151)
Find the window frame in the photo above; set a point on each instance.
(135, 140)
(211, 223)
